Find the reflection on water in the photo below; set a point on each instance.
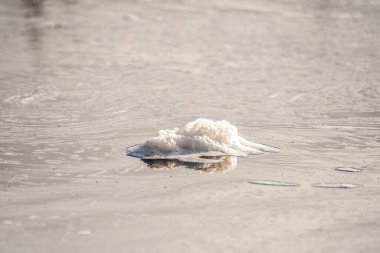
(35, 8)
(227, 163)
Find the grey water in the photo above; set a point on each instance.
(82, 80)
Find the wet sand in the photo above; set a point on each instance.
(80, 81)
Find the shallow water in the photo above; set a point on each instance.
(80, 81)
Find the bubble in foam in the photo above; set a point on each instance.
(198, 140)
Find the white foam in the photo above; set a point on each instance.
(198, 139)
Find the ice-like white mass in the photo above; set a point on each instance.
(202, 140)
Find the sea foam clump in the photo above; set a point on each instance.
(202, 140)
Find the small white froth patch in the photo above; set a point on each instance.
(198, 140)
(272, 183)
(349, 169)
(336, 185)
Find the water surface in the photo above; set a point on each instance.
(82, 80)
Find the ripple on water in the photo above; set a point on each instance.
(7, 222)
(349, 169)
(53, 217)
(84, 232)
(336, 185)
(272, 183)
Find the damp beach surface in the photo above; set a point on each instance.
(80, 81)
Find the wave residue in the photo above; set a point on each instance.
(199, 141)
